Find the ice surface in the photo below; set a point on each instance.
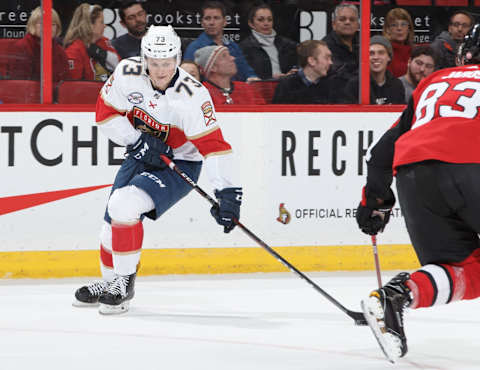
(224, 322)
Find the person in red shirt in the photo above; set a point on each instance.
(90, 54)
(25, 54)
(218, 68)
(398, 29)
(432, 149)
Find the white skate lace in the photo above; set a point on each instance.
(97, 287)
(119, 286)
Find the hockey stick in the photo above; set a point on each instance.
(377, 262)
(358, 317)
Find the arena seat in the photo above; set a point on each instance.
(78, 92)
(451, 2)
(414, 2)
(266, 89)
(20, 91)
(5, 45)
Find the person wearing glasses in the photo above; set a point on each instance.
(342, 41)
(398, 29)
(446, 44)
(134, 18)
(420, 65)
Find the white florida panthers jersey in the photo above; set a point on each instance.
(183, 116)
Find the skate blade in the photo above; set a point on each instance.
(106, 309)
(77, 303)
(384, 339)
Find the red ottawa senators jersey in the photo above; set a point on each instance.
(441, 122)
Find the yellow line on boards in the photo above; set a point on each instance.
(59, 264)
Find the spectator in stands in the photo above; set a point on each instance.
(310, 84)
(270, 55)
(25, 54)
(343, 41)
(218, 68)
(90, 55)
(134, 18)
(192, 68)
(213, 22)
(420, 65)
(446, 44)
(384, 87)
(398, 29)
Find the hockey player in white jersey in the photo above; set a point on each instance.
(153, 107)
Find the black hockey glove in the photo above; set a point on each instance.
(147, 149)
(373, 214)
(97, 53)
(229, 201)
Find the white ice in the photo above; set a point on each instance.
(223, 322)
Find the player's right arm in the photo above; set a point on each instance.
(373, 212)
(113, 105)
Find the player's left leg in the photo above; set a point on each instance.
(150, 194)
(432, 285)
(88, 294)
(440, 204)
(125, 207)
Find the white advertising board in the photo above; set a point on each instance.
(312, 163)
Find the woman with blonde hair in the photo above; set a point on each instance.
(25, 54)
(90, 54)
(398, 29)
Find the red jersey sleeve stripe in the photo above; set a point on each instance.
(105, 111)
(395, 123)
(211, 143)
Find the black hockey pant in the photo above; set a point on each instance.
(441, 206)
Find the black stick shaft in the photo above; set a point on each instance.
(357, 316)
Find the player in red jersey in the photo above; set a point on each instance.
(433, 151)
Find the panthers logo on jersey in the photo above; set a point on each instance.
(146, 123)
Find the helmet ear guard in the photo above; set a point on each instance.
(160, 42)
(469, 50)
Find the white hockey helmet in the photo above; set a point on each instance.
(160, 42)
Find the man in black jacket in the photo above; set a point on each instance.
(134, 18)
(384, 87)
(343, 41)
(310, 84)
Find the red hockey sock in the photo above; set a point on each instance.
(127, 238)
(106, 256)
(126, 246)
(444, 283)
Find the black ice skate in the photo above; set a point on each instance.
(383, 311)
(88, 295)
(118, 295)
